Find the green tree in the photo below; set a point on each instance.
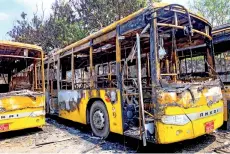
(217, 12)
(97, 14)
(71, 21)
(59, 30)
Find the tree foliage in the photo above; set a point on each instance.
(71, 20)
(217, 12)
(97, 14)
(57, 31)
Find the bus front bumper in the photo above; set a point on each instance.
(168, 133)
(21, 123)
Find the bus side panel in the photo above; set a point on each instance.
(73, 106)
(114, 109)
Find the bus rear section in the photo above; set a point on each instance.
(22, 100)
(221, 42)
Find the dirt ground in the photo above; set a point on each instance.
(62, 136)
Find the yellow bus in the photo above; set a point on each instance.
(221, 40)
(137, 77)
(22, 99)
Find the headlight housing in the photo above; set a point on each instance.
(175, 119)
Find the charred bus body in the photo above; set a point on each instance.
(22, 99)
(139, 77)
(221, 40)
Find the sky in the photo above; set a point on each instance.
(10, 11)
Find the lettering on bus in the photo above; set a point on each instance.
(10, 116)
(208, 113)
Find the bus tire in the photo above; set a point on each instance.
(99, 119)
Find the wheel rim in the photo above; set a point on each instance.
(98, 119)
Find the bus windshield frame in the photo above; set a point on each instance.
(19, 63)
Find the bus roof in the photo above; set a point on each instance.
(221, 28)
(16, 45)
(221, 37)
(15, 55)
(120, 22)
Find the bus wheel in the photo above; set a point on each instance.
(99, 119)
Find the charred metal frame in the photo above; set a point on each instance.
(141, 102)
(31, 54)
(91, 64)
(154, 61)
(221, 39)
(72, 69)
(131, 25)
(118, 68)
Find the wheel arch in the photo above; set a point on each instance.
(89, 104)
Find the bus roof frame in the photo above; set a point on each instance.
(9, 45)
(124, 25)
(221, 33)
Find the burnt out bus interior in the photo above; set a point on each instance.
(17, 71)
(176, 48)
(221, 40)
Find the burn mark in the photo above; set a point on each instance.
(111, 95)
(70, 100)
(2, 109)
(98, 93)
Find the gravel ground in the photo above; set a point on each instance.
(63, 136)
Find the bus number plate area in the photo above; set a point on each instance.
(4, 127)
(209, 126)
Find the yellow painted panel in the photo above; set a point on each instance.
(25, 122)
(114, 109)
(17, 109)
(22, 102)
(79, 114)
(199, 125)
(174, 133)
(175, 110)
(168, 133)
